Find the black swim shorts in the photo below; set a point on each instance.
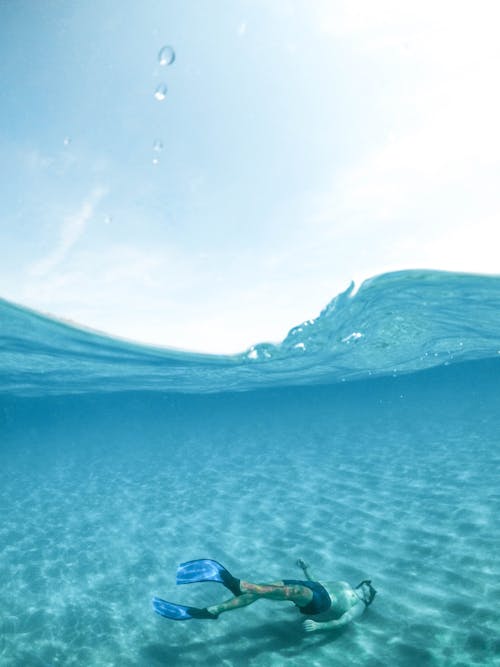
(321, 601)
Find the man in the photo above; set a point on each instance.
(330, 605)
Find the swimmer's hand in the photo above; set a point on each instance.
(311, 626)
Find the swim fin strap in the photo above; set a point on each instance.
(178, 612)
(205, 569)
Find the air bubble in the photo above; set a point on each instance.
(156, 161)
(166, 56)
(158, 146)
(66, 141)
(108, 219)
(160, 92)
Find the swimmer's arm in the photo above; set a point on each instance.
(351, 615)
(305, 569)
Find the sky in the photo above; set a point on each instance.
(296, 146)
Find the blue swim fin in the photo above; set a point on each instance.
(178, 612)
(205, 569)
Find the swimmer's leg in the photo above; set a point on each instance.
(250, 593)
(233, 603)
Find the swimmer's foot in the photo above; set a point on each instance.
(179, 612)
(231, 583)
(196, 612)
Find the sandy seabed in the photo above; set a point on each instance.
(90, 533)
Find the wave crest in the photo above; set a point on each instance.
(399, 322)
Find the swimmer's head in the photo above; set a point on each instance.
(366, 591)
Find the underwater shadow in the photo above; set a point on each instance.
(285, 638)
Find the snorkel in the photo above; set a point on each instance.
(371, 591)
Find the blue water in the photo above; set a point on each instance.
(366, 443)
